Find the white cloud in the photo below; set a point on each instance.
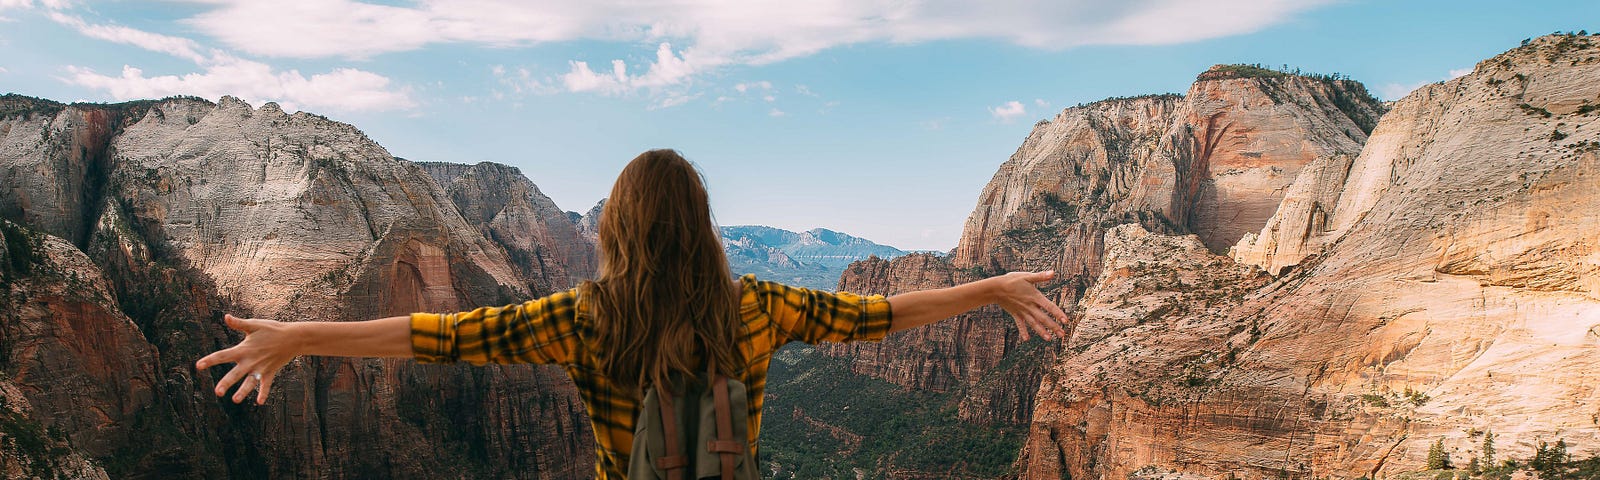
(674, 100)
(744, 87)
(1009, 111)
(1394, 91)
(155, 42)
(341, 89)
(1041, 102)
(804, 90)
(3, 70)
(670, 69)
(520, 81)
(27, 4)
(715, 33)
(776, 113)
(584, 79)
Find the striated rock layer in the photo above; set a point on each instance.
(1443, 283)
(507, 208)
(1214, 162)
(186, 209)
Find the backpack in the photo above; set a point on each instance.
(714, 415)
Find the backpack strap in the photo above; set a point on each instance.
(675, 462)
(724, 445)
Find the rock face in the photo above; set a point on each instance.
(1159, 327)
(1213, 162)
(187, 209)
(589, 222)
(60, 162)
(1440, 284)
(62, 330)
(509, 209)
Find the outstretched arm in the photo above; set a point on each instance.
(1015, 292)
(269, 345)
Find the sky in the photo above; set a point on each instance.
(883, 119)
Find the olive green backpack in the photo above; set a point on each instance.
(696, 433)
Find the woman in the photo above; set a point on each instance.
(663, 302)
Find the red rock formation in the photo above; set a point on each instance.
(210, 208)
(1442, 284)
(1170, 163)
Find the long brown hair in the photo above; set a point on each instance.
(664, 297)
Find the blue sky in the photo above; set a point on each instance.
(879, 118)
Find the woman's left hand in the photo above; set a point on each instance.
(1018, 294)
(268, 345)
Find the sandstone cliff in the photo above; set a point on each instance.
(187, 209)
(1214, 162)
(1443, 284)
(507, 208)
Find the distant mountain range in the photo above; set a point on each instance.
(813, 258)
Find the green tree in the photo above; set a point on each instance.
(1549, 460)
(1487, 451)
(1438, 458)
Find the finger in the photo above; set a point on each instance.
(1026, 315)
(1056, 311)
(244, 389)
(1041, 277)
(227, 355)
(1056, 318)
(266, 385)
(1065, 321)
(1040, 325)
(1021, 328)
(231, 378)
(239, 324)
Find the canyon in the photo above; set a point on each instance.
(1439, 285)
(1213, 162)
(1271, 275)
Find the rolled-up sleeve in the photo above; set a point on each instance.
(814, 316)
(539, 331)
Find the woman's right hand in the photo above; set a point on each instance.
(268, 345)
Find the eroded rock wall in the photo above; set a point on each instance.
(194, 209)
(1442, 286)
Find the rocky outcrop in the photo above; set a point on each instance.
(589, 222)
(30, 450)
(61, 329)
(1443, 285)
(193, 209)
(1158, 337)
(1255, 143)
(59, 161)
(509, 209)
(1213, 162)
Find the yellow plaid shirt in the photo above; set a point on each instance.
(551, 330)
